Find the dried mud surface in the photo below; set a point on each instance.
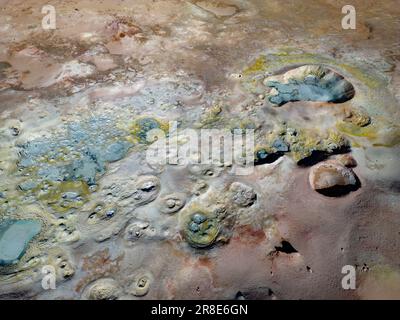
(76, 104)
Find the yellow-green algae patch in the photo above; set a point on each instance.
(141, 126)
(66, 195)
(260, 64)
(381, 134)
(303, 142)
(201, 229)
(201, 226)
(380, 282)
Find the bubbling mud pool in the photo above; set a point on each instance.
(79, 198)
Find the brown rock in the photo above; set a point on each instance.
(346, 160)
(332, 178)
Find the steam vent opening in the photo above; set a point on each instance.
(199, 150)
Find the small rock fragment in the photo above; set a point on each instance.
(357, 117)
(27, 185)
(140, 230)
(116, 151)
(280, 145)
(218, 9)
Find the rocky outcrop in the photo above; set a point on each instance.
(332, 178)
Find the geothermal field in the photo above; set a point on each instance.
(199, 149)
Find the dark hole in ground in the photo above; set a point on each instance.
(239, 296)
(286, 247)
(394, 185)
(318, 156)
(258, 293)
